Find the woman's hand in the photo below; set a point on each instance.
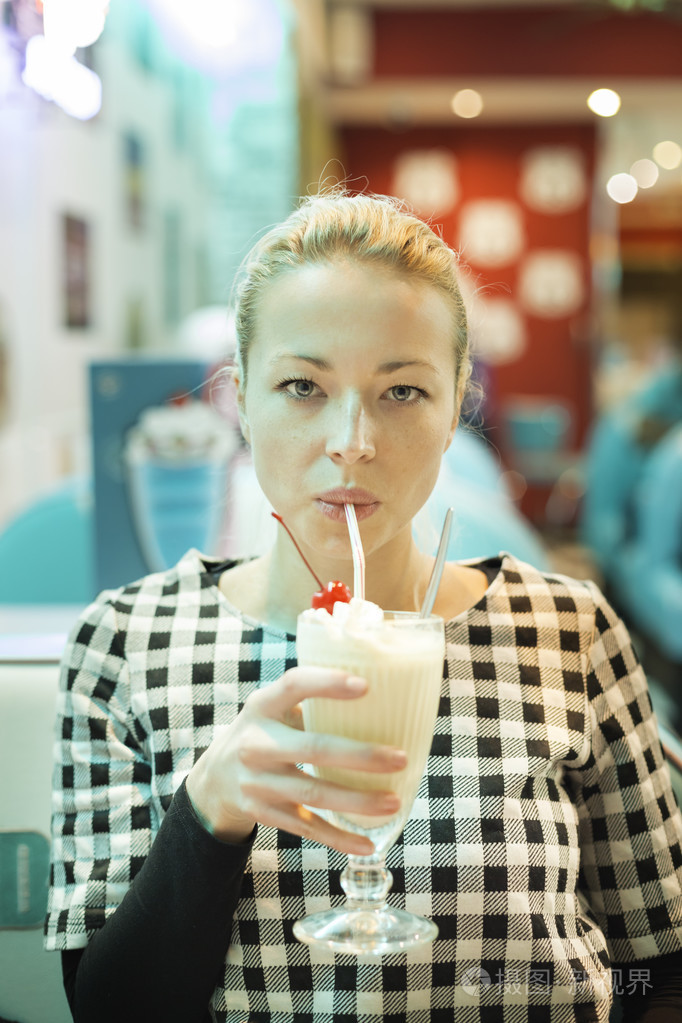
(248, 774)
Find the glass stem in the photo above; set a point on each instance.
(366, 881)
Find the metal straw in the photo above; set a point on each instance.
(439, 564)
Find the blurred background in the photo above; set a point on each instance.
(145, 145)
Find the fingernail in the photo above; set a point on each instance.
(355, 683)
(397, 756)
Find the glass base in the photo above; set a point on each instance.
(359, 931)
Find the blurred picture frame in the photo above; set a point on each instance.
(4, 372)
(134, 181)
(76, 244)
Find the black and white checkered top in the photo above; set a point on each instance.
(545, 840)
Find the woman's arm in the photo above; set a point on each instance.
(160, 954)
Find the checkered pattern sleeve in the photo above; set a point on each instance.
(630, 827)
(102, 810)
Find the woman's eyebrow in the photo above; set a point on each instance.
(312, 359)
(384, 367)
(391, 367)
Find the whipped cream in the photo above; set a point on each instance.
(355, 614)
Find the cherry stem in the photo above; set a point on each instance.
(291, 537)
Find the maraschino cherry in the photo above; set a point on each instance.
(327, 595)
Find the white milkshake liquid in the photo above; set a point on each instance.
(401, 657)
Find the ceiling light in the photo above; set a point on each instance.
(62, 79)
(604, 102)
(467, 103)
(668, 155)
(622, 188)
(225, 38)
(645, 173)
(69, 24)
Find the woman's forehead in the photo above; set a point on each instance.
(349, 288)
(328, 314)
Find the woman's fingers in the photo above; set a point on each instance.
(299, 820)
(296, 786)
(274, 733)
(265, 745)
(278, 699)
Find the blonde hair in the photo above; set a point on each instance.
(379, 230)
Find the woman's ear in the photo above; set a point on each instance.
(453, 427)
(240, 391)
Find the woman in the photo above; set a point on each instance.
(546, 842)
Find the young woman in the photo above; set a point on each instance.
(546, 842)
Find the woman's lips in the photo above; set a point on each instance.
(332, 501)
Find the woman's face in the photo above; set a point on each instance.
(350, 395)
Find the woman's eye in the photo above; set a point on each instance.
(405, 394)
(299, 388)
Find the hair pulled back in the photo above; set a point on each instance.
(377, 230)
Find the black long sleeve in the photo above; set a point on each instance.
(660, 1000)
(159, 955)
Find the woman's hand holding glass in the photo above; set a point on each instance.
(250, 774)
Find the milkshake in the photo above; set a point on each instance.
(401, 657)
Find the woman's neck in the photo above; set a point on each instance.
(396, 578)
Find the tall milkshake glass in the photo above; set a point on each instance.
(400, 654)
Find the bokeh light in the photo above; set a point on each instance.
(645, 173)
(622, 188)
(604, 102)
(668, 155)
(467, 103)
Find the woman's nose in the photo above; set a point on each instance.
(351, 437)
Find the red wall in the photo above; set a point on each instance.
(550, 40)
(556, 359)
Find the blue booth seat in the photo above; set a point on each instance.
(486, 520)
(651, 576)
(538, 434)
(617, 451)
(46, 551)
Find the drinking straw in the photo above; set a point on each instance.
(358, 553)
(434, 581)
